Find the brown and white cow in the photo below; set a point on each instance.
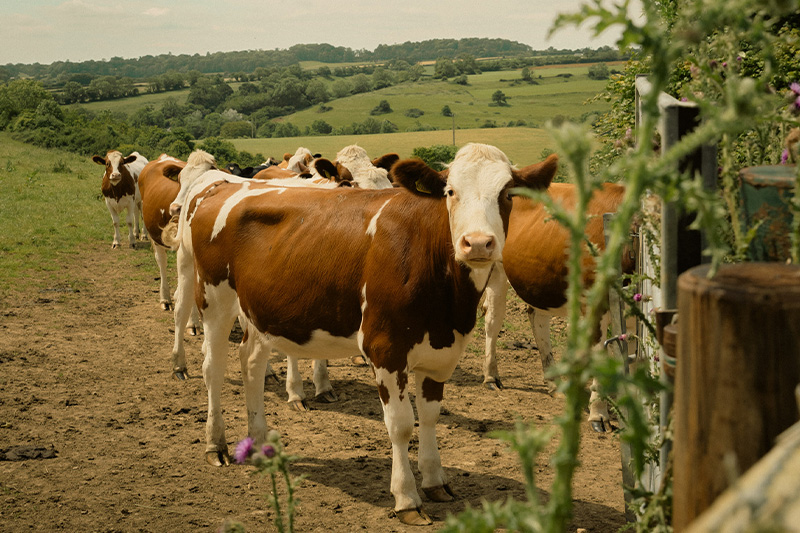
(121, 191)
(535, 263)
(158, 184)
(396, 274)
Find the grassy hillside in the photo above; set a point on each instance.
(522, 145)
(560, 91)
(50, 206)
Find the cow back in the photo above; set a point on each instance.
(535, 254)
(158, 191)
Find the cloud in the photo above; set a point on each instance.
(156, 11)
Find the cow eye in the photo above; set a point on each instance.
(450, 192)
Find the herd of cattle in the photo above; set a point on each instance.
(323, 259)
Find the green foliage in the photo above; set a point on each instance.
(599, 71)
(446, 112)
(235, 129)
(436, 156)
(414, 112)
(382, 108)
(499, 98)
(691, 46)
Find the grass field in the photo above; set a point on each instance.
(50, 205)
(535, 104)
(522, 145)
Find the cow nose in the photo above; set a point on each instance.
(478, 246)
(174, 209)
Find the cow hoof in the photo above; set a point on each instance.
(358, 360)
(299, 405)
(414, 517)
(442, 493)
(598, 426)
(192, 330)
(113, 246)
(495, 385)
(218, 458)
(326, 397)
(166, 306)
(181, 375)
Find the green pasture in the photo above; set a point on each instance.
(522, 145)
(50, 207)
(534, 103)
(132, 104)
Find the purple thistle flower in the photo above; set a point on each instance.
(637, 297)
(784, 156)
(243, 450)
(724, 64)
(795, 87)
(796, 104)
(268, 450)
(739, 58)
(623, 337)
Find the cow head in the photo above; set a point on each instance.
(198, 163)
(115, 165)
(477, 188)
(354, 165)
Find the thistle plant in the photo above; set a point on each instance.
(270, 460)
(706, 36)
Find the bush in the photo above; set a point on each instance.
(382, 108)
(446, 111)
(436, 156)
(414, 112)
(236, 129)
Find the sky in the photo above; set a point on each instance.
(45, 31)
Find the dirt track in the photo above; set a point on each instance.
(84, 371)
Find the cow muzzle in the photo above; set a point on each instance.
(477, 248)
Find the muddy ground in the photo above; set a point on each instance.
(85, 378)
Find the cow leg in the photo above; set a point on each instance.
(398, 415)
(540, 324)
(218, 319)
(599, 417)
(115, 222)
(184, 306)
(132, 219)
(322, 383)
(139, 214)
(294, 385)
(494, 307)
(254, 359)
(163, 291)
(429, 401)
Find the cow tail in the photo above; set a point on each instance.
(170, 233)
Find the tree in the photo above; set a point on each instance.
(526, 74)
(317, 92)
(236, 129)
(341, 88)
(499, 98)
(382, 108)
(321, 127)
(361, 84)
(382, 78)
(598, 71)
(209, 93)
(446, 111)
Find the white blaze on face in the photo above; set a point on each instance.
(478, 174)
(114, 161)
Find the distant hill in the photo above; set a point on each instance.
(248, 61)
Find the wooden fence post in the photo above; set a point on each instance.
(738, 366)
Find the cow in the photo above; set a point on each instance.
(121, 191)
(247, 172)
(535, 264)
(395, 274)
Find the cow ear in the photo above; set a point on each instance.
(172, 171)
(326, 169)
(343, 173)
(130, 159)
(418, 177)
(99, 160)
(386, 161)
(539, 175)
